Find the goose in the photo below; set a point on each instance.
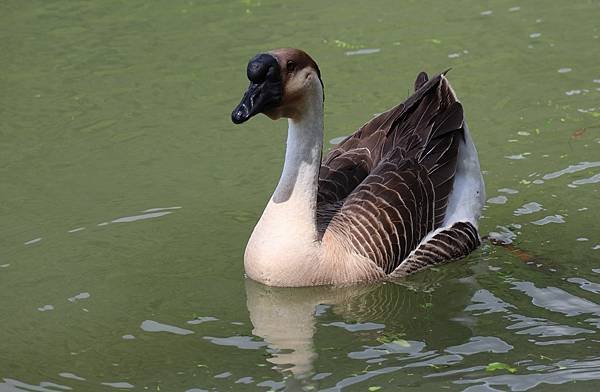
(402, 193)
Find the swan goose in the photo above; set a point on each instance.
(401, 194)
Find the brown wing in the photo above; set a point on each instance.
(405, 175)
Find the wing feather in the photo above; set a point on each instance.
(384, 188)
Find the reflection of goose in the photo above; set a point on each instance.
(287, 318)
(402, 193)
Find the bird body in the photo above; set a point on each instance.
(402, 193)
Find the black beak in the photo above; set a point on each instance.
(265, 90)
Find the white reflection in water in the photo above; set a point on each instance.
(76, 230)
(481, 344)
(528, 208)
(508, 190)
(545, 331)
(162, 209)
(549, 219)
(337, 140)
(244, 380)
(118, 385)
(363, 51)
(33, 241)
(356, 326)
(412, 349)
(571, 169)
(591, 180)
(559, 341)
(518, 156)
(586, 285)
(321, 376)
(485, 302)
(564, 70)
(12, 385)
(557, 300)
(153, 326)
(567, 371)
(242, 342)
(200, 320)
(80, 296)
(134, 218)
(504, 235)
(497, 200)
(71, 376)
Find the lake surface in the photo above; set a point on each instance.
(127, 198)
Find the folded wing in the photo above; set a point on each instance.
(384, 188)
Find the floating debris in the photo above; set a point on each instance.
(565, 70)
(578, 134)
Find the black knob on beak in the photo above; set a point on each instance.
(261, 67)
(265, 90)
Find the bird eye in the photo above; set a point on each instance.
(291, 66)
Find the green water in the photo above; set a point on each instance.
(112, 108)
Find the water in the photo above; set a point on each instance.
(128, 197)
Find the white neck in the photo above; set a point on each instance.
(296, 193)
(286, 234)
(300, 173)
